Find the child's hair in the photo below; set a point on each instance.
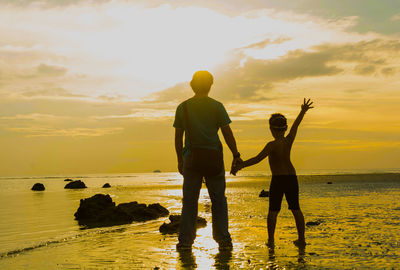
(278, 121)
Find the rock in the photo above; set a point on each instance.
(68, 180)
(75, 184)
(313, 223)
(38, 187)
(156, 171)
(329, 183)
(100, 211)
(175, 220)
(264, 193)
(106, 185)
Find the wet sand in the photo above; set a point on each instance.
(359, 214)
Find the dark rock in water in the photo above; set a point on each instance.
(75, 184)
(329, 183)
(106, 185)
(68, 180)
(100, 211)
(156, 171)
(141, 212)
(38, 187)
(175, 220)
(313, 223)
(264, 193)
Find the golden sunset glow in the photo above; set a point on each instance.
(92, 86)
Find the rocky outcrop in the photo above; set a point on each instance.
(175, 220)
(100, 211)
(75, 185)
(68, 180)
(38, 187)
(264, 193)
(106, 185)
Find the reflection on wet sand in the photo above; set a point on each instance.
(186, 259)
(222, 259)
(272, 263)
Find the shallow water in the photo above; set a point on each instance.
(360, 217)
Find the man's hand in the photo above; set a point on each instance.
(306, 105)
(180, 167)
(237, 164)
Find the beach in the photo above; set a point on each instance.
(358, 216)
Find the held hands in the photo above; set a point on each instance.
(237, 164)
(306, 105)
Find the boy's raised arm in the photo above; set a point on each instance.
(304, 108)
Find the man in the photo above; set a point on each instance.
(200, 118)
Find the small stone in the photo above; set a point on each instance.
(329, 183)
(264, 193)
(313, 223)
(106, 185)
(175, 220)
(38, 187)
(68, 180)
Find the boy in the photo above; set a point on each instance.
(284, 179)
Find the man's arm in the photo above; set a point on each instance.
(179, 148)
(304, 108)
(230, 140)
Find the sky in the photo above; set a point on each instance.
(92, 86)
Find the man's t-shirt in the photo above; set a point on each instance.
(206, 116)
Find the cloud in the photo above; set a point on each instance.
(262, 44)
(50, 3)
(395, 17)
(364, 69)
(249, 79)
(50, 70)
(56, 92)
(32, 116)
(64, 132)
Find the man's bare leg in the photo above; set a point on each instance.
(271, 224)
(299, 218)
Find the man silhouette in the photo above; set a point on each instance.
(200, 118)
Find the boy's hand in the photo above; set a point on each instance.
(306, 105)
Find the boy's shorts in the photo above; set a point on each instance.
(284, 184)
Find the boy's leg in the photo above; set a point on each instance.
(299, 218)
(275, 201)
(219, 209)
(292, 197)
(191, 189)
(271, 224)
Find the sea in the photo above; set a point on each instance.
(357, 212)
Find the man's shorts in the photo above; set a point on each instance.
(284, 184)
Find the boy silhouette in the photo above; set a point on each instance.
(284, 179)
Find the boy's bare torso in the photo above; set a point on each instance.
(279, 158)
